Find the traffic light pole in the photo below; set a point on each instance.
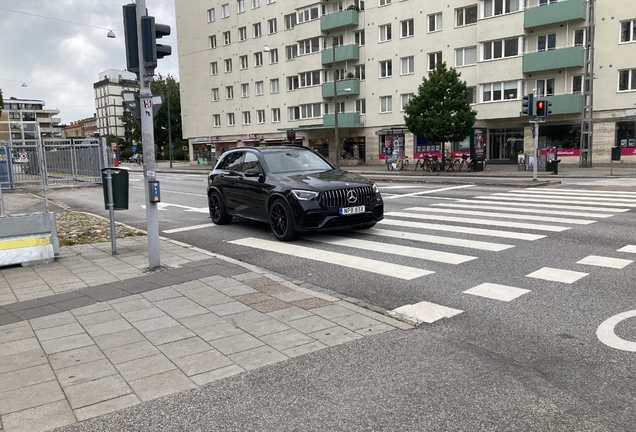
(535, 149)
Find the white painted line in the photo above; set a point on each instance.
(497, 292)
(424, 312)
(489, 222)
(188, 228)
(160, 206)
(412, 252)
(557, 275)
(383, 268)
(399, 187)
(605, 332)
(628, 248)
(134, 179)
(484, 205)
(554, 200)
(584, 196)
(579, 191)
(449, 241)
(608, 262)
(502, 201)
(463, 230)
(430, 191)
(502, 215)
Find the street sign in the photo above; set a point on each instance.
(185, 148)
(134, 148)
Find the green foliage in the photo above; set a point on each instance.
(1, 101)
(440, 110)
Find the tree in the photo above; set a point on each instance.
(440, 111)
(1, 101)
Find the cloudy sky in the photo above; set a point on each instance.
(58, 48)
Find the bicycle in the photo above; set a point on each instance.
(463, 162)
(451, 164)
(404, 163)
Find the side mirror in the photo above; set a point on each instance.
(252, 172)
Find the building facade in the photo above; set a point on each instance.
(109, 104)
(84, 128)
(251, 70)
(27, 119)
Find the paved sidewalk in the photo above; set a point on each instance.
(94, 333)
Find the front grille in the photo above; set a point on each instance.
(350, 221)
(338, 197)
(312, 220)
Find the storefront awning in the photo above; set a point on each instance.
(224, 142)
(396, 131)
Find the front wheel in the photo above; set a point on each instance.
(218, 213)
(281, 221)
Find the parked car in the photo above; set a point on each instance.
(136, 158)
(292, 188)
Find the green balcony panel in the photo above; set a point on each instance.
(553, 13)
(554, 59)
(345, 120)
(343, 53)
(353, 84)
(336, 20)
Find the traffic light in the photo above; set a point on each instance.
(527, 106)
(130, 36)
(541, 109)
(152, 51)
(548, 108)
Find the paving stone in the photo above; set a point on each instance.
(290, 314)
(22, 360)
(75, 357)
(108, 327)
(292, 296)
(311, 303)
(286, 339)
(143, 314)
(161, 294)
(37, 312)
(15, 332)
(131, 305)
(257, 357)
(237, 343)
(217, 374)
(26, 377)
(98, 317)
(335, 336)
(263, 327)
(85, 372)
(59, 331)
(311, 324)
(377, 329)
(106, 407)
(154, 324)
(180, 307)
(66, 343)
(76, 303)
(9, 318)
(332, 311)
(217, 331)
(131, 352)
(237, 290)
(202, 362)
(229, 308)
(109, 295)
(259, 282)
(355, 322)
(249, 316)
(304, 349)
(170, 334)
(143, 367)
(117, 339)
(274, 288)
(156, 386)
(184, 347)
(40, 418)
(197, 321)
(91, 309)
(256, 297)
(24, 305)
(29, 397)
(59, 319)
(246, 276)
(19, 346)
(95, 391)
(270, 306)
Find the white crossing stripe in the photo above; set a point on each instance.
(424, 312)
(628, 248)
(491, 200)
(399, 187)
(537, 227)
(463, 230)
(551, 200)
(425, 254)
(578, 191)
(502, 215)
(600, 261)
(497, 292)
(557, 275)
(584, 196)
(429, 191)
(380, 267)
(188, 228)
(449, 241)
(484, 205)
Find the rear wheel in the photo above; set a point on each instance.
(218, 213)
(281, 220)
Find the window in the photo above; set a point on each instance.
(257, 30)
(577, 83)
(260, 88)
(435, 22)
(212, 41)
(227, 39)
(307, 79)
(229, 92)
(225, 10)
(627, 80)
(407, 65)
(273, 86)
(406, 28)
(230, 119)
(309, 46)
(386, 68)
(386, 104)
(242, 33)
(545, 87)
(499, 7)
(385, 32)
(275, 115)
(217, 120)
(272, 26)
(579, 37)
(240, 6)
(228, 65)
(385, 2)
(628, 31)
(471, 95)
(546, 42)
(500, 48)
(358, 38)
(294, 113)
(308, 13)
(273, 56)
(260, 116)
(405, 99)
(465, 56)
(545, 2)
(245, 90)
(292, 83)
(256, 4)
(244, 62)
(310, 110)
(359, 4)
(258, 59)
(337, 41)
(433, 59)
(290, 21)
(291, 52)
(211, 15)
(247, 118)
(214, 68)
(499, 91)
(361, 106)
(360, 72)
(215, 94)
(466, 15)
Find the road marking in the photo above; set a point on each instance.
(552, 200)
(578, 191)
(463, 230)
(594, 198)
(502, 215)
(430, 191)
(605, 332)
(497, 292)
(383, 268)
(399, 187)
(511, 207)
(449, 241)
(188, 228)
(537, 227)
(176, 192)
(628, 248)
(608, 262)
(557, 275)
(548, 206)
(424, 254)
(424, 312)
(165, 205)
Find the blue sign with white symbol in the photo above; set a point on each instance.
(134, 149)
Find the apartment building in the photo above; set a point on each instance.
(109, 104)
(27, 119)
(262, 71)
(84, 128)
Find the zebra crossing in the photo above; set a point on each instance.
(501, 220)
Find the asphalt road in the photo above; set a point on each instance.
(530, 362)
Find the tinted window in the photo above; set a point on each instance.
(231, 162)
(250, 162)
(295, 161)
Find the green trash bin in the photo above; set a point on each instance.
(616, 153)
(478, 165)
(120, 187)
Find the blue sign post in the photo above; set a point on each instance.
(6, 171)
(134, 149)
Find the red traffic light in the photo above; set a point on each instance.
(540, 111)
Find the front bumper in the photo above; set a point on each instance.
(311, 216)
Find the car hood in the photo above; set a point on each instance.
(332, 179)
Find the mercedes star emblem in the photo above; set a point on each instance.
(352, 196)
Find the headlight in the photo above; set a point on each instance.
(375, 188)
(302, 195)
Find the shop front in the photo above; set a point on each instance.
(320, 146)
(392, 143)
(626, 137)
(504, 145)
(353, 151)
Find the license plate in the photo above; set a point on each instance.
(351, 210)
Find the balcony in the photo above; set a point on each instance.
(353, 84)
(345, 120)
(554, 59)
(553, 13)
(340, 19)
(343, 53)
(566, 103)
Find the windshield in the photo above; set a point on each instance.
(286, 161)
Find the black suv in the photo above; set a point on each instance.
(292, 188)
